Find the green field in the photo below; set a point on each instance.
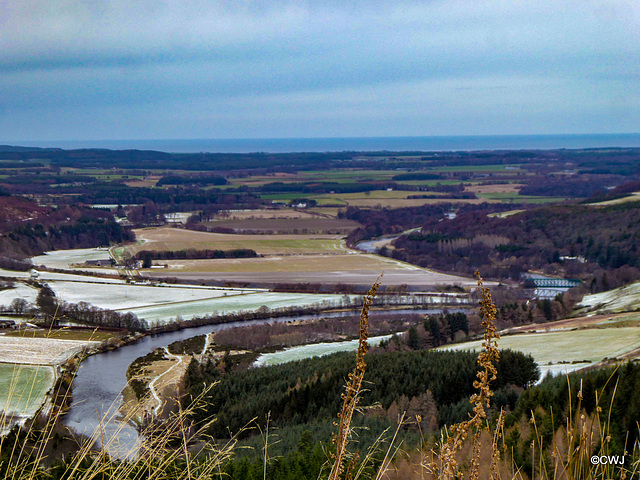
(514, 197)
(498, 168)
(429, 182)
(338, 176)
(384, 198)
(505, 214)
(23, 388)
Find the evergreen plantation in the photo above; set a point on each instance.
(309, 390)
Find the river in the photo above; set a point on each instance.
(102, 377)
(375, 244)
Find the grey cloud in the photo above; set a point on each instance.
(85, 55)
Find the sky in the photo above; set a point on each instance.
(170, 69)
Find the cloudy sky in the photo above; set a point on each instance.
(153, 69)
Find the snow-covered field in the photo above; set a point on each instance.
(38, 351)
(13, 274)
(555, 349)
(23, 388)
(70, 277)
(231, 304)
(65, 258)
(560, 369)
(162, 304)
(51, 276)
(314, 350)
(20, 291)
(623, 299)
(125, 297)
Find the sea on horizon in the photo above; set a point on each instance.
(356, 144)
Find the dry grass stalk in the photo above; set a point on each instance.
(446, 467)
(351, 396)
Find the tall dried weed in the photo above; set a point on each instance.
(351, 395)
(460, 453)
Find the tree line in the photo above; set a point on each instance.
(191, 253)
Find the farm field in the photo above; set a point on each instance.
(289, 225)
(283, 213)
(77, 277)
(510, 197)
(38, 351)
(313, 350)
(553, 349)
(23, 388)
(63, 259)
(19, 291)
(505, 214)
(125, 297)
(347, 175)
(84, 335)
(163, 238)
(627, 319)
(494, 188)
(13, 274)
(623, 299)
(149, 181)
(234, 304)
(634, 197)
(358, 269)
(383, 198)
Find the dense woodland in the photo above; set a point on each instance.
(620, 161)
(551, 239)
(548, 238)
(304, 450)
(309, 390)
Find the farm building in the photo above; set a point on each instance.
(7, 324)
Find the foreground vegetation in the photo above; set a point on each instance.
(549, 431)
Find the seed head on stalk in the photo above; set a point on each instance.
(351, 395)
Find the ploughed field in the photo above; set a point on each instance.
(163, 238)
(285, 259)
(38, 351)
